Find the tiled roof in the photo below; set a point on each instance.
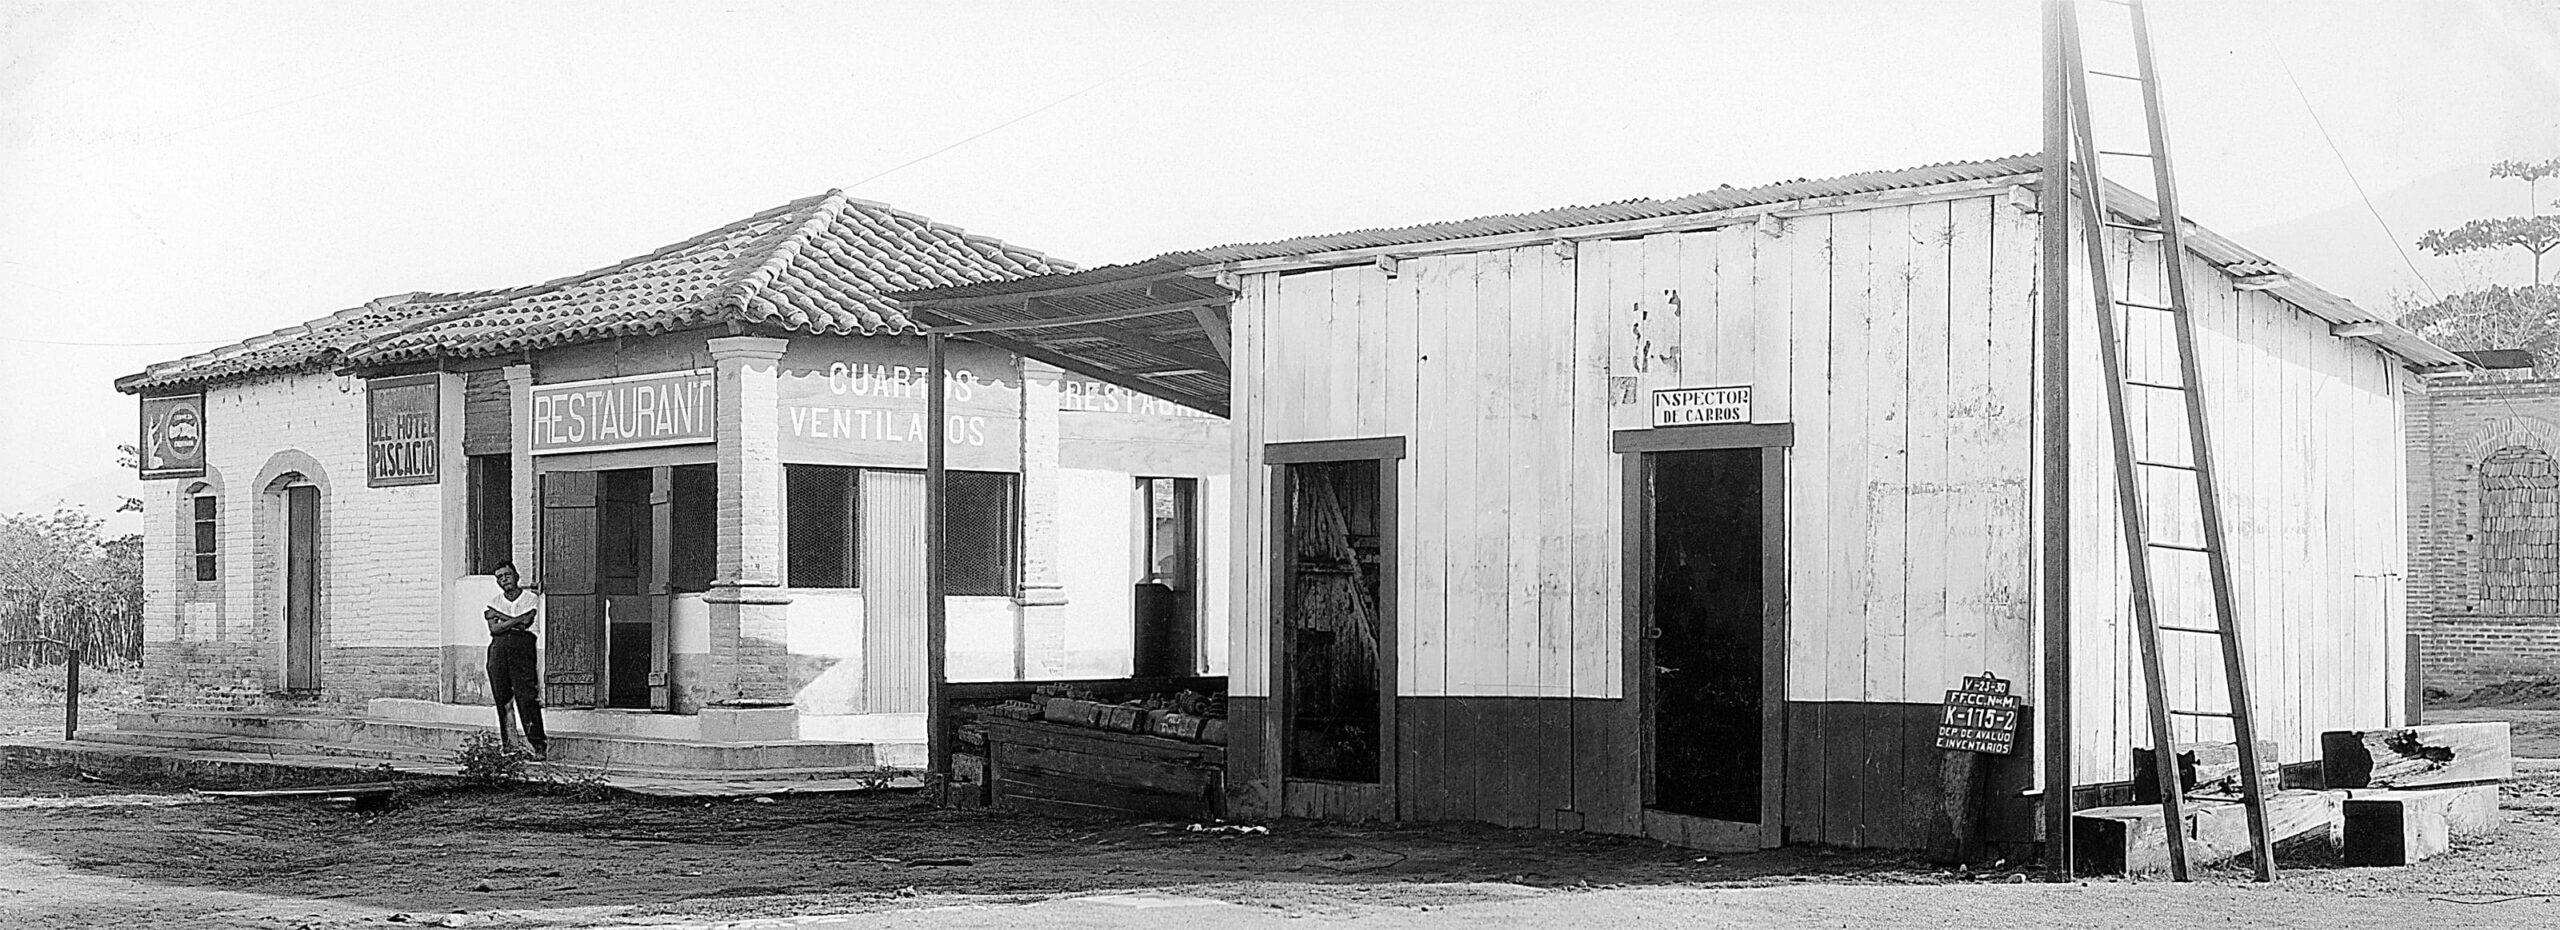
(816, 265)
(318, 344)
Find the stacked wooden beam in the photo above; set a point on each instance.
(2413, 790)
(2376, 797)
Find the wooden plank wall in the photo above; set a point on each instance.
(1895, 338)
(2308, 453)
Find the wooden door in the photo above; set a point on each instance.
(573, 621)
(302, 588)
(892, 555)
(662, 496)
(1335, 677)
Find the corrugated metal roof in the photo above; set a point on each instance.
(821, 264)
(2228, 255)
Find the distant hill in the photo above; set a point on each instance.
(2344, 250)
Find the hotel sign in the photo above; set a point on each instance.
(873, 414)
(400, 430)
(172, 436)
(665, 409)
(1701, 406)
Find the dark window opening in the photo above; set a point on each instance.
(1704, 634)
(492, 504)
(1166, 620)
(822, 529)
(1330, 622)
(208, 537)
(694, 521)
(980, 533)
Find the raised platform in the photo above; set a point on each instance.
(608, 743)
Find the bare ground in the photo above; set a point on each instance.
(76, 852)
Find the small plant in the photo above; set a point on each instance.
(486, 759)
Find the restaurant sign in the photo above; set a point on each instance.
(172, 436)
(1701, 406)
(671, 408)
(1982, 716)
(400, 430)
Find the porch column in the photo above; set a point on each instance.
(749, 658)
(1041, 645)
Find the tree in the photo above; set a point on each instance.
(2536, 233)
(2496, 317)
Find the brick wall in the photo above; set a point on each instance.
(381, 560)
(2482, 529)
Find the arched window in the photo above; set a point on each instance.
(2519, 532)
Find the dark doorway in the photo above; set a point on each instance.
(1329, 620)
(302, 588)
(1165, 599)
(627, 576)
(1704, 631)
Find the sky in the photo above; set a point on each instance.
(174, 177)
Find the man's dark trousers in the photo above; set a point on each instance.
(513, 677)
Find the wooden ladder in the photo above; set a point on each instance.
(2142, 539)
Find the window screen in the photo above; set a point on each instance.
(980, 533)
(492, 520)
(694, 519)
(208, 537)
(824, 536)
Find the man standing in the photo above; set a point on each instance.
(513, 677)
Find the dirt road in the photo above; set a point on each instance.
(81, 853)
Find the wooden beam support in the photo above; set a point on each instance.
(1132, 285)
(1029, 305)
(2417, 757)
(2355, 330)
(1213, 324)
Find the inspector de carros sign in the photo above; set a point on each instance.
(1701, 406)
(666, 409)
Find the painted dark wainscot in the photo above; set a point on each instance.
(1869, 775)
(1857, 774)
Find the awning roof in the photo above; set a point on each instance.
(1150, 326)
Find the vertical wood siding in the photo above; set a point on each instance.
(1898, 342)
(2307, 449)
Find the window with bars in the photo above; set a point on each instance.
(981, 533)
(208, 536)
(822, 529)
(492, 504)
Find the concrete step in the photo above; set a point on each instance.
(132, 759)
(315, 735)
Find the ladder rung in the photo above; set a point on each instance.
(2165, 465)
(2154, 385)
(2190, 629)
(2125, 154)
(2182, 547)
(2135, 227)
(2120, 77)
(2205, 713)
(2139, 305)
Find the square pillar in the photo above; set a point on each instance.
(1041, 645)
(750, 655)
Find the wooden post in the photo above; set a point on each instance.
(71, 693)
(2054, 452)
(1960, 803)
(937, 717)
(2413, 686)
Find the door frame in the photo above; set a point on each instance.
(1317, 798)
(1636, 531)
